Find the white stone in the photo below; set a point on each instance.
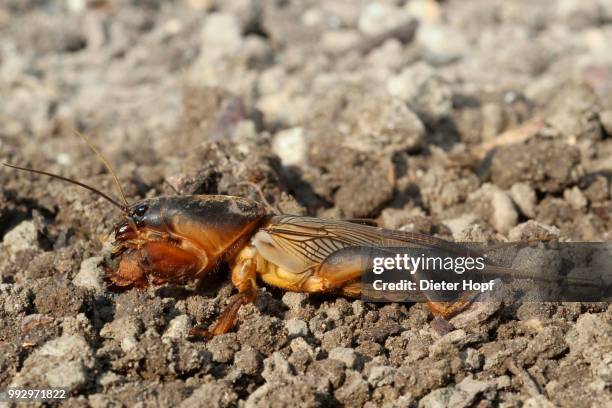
(276, 367)
(90, 274)
(294, 300)
(62, 362)
(504, 216)
(221, 34)
(339, 40)
(178, 328)
(296, 328)
(76, 6)
(23, 236)
(525, 198)
(381, 375)
(575, 198)
(459, 224)
(424, 10)
(344, 354)
(442, 44)
(290, 145)
(69, 374)
(128, 343)
(299, 344)
(376, 18)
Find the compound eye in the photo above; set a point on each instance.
(140, 210)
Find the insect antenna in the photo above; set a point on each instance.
(106, 164)
(262, 196)
(69, 180)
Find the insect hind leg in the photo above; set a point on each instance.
(339, 271)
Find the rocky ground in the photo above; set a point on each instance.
(476, 120)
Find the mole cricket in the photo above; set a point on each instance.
(178, 239)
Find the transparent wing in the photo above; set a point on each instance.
(314, 239)
(299, 244)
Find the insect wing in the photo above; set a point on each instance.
(298, 243)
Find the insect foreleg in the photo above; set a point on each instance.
(244, 273)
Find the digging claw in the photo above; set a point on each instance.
(199, 334)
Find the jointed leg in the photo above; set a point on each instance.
(341, 269)
(450, 309)
(352, 289)
(244, 279)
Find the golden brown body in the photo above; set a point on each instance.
(180, 239)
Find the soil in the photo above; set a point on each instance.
(472, 120)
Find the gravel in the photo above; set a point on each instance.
(471, 120)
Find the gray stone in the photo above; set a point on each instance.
(294, 300)
(504, 214)
(501, 212)
(14, 299)
(109, 378)
(478, 311)
(296, 328)
(299, 344)
(90, 274)
(178, 328)
(344, 354)
(216, 394)
(472, 358)
(605, 118)
(125, 326)
(276, 368)
(355, 391)
(330, 370)
(532, 230)
(428, 94)
(299, 392)
(389, 56)
(591, 338)
(539, 401)
(62, 362)
(337, 41)
(376, 18)
(78, 325)
(23, 237)
(525, 198)
(247, 360)
(575, 198)
(459, 224)
(381, 375)
(466, 391)
(548, 165)
(223, 347)
(221, 34)
(384, 124)
(437, 398)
